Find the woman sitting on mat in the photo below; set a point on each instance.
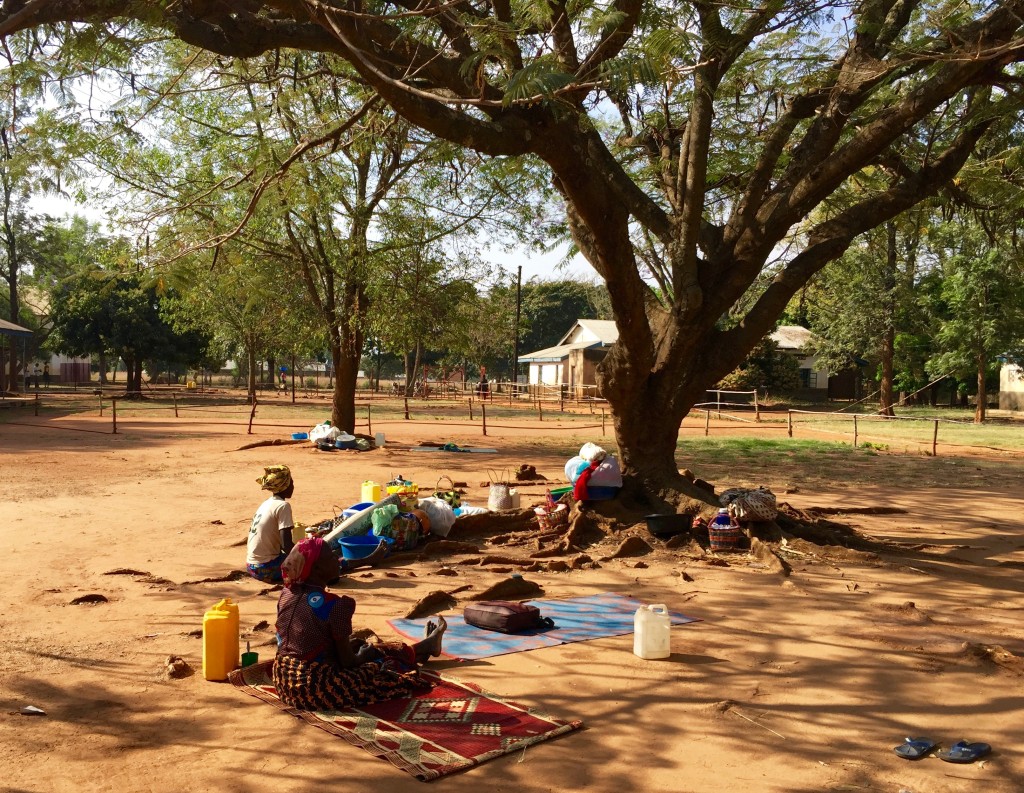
(319, 666)
(270, 536)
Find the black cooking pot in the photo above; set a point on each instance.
(667, 525)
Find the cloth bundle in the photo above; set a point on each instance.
(750, 505)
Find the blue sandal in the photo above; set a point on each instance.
(963, 752)
(914, 748)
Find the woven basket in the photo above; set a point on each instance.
(724, 538)
(552, 519)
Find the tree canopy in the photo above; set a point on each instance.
(709, 155)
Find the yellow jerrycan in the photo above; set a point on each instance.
(220, 640)
(370, 492)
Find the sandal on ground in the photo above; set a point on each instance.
(963, 752)
(914, 748)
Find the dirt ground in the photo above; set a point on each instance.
(791, 683)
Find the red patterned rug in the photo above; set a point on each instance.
(450, 728)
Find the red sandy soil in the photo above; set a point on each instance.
(789, 685)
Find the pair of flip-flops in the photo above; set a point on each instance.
(960, 752)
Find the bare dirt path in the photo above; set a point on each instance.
(790, 684)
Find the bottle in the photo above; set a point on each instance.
(220, 640)
(652, 638)
(722, 518)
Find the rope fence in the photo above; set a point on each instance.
(486, 417)
(857, 421)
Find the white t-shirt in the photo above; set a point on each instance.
(264, 545)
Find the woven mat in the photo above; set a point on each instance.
(576, 619)
(450, 728)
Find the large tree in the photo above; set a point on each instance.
(696, 145)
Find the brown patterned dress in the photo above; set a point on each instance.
(307, 672)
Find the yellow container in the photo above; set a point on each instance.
(407, 494)
(220, 640)
(370, 492)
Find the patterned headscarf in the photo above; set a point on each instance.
(276, 478)
(298, 564)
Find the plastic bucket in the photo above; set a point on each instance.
(361, 547)
(597, 493)
(348, 513)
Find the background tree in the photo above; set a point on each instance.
(864, 305)
(766, 369)
(977, 305)
(550, 308)
(98, 311)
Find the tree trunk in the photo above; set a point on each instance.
(250, 380)
(933, 395)
(346, 370)
(346, 340)
(888, 350)
(981, 407)
(646, 413)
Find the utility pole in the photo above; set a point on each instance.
(515, 332)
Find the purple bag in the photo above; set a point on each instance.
(505, 616)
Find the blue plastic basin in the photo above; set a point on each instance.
(361, 547)
(355, 508)
(300, 436)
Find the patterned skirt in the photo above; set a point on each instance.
(311, 685)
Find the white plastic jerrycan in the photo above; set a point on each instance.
(652, 632)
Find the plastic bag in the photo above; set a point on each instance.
(441, 515)
(382, 518)
(324, 432)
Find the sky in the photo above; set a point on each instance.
(542, 266)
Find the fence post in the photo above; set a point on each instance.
(369, 420)
(935, 439)
(101, 403)
(540, 410)
(789, 421)
(854, 430)
(174, 395)
(252, 413)
(707, 422)
(37, 403)
(602, 421)
(406, 408)
(757, 408)
(113, 406)
(561, 401)
(471, 408)
(483, 412)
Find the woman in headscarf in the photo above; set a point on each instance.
(270, 536)
(319, 666)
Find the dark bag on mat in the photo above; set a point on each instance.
(505, 616)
